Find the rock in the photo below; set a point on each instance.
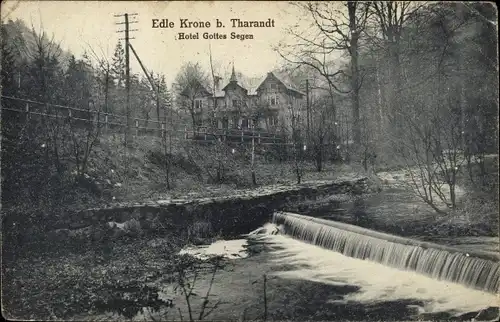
(489, 314)
(157, 242)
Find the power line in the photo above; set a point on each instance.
(127, 31)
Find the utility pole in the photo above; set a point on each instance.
(127, 84)
(307, 109)
(127, 80)
(254, 181)
(158, 101)
(127, 38)
(106, 88)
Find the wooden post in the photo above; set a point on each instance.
(163, 130)
(106, 122)
(265, 297)
(185, 133)
(259, 137)
(27, 110)
(254, 181)
(241, 135)
(136, 127)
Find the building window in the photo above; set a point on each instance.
(237, 103)
(273, 100)
(235, 122)
(198, 104)
(244, 123)
(274, 87)
(273, 120)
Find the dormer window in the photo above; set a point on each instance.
(198, 104)
(274, 87)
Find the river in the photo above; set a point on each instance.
(305, 281)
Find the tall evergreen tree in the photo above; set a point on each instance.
(118, 65)
(8, 62)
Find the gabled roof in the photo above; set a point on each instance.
(234, 81)
(235, 84)
(283, 79)
(251, 85)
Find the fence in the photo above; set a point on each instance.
(114, 123)
(110, 122)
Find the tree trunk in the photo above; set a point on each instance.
(193, 119)
(319, 162)
(351, 6)
(396, 86)
(319, 155)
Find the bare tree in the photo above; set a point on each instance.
(335, 27)
(192, 88)
(322, 133)
(295, 126)
(45, 54)
(390, 17)
(84, 140)
(105, 69)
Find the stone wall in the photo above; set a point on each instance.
(225, 216)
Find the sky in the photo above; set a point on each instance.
(80, 25)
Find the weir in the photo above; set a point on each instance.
(480, 270)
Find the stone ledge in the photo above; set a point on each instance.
(227, 215)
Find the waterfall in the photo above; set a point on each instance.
(480, 270)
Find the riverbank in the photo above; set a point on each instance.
(285, 279)
(71, 275)
(303, 282)
(396, 210)
(60, 284)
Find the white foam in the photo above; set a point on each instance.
(377, 282)
(231, 249)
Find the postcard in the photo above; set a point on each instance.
(249, 160)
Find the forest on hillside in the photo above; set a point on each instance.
(416, 87)
(412, 85)
(420, 85)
